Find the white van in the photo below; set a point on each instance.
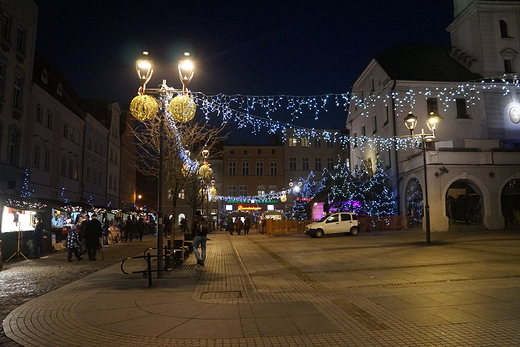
(334, 223)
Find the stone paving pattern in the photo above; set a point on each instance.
(384, 288)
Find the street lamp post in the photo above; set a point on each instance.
(432, 121)
(181, 108)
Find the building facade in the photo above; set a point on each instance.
(472, 165)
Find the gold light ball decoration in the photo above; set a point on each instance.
(283, 198)
(182, 108)
(213, 193)
(144, 107)
(204, 170)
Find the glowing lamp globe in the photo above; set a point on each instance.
(283, 198)
(213, 191)
(182, 108)
(144, 107)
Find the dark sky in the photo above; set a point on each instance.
(240, 47)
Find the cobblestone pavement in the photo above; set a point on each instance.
(377, 289)
(21, 280)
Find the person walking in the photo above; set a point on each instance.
(238, 225)
(73, 245)
(140, 229)
(230, 227)
(128, 229)
(184, 225)
(262, 224)
(247, 225)
(199, 230)
(37, 239)
(93, 233)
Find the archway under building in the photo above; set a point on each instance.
(510, 199)
(464, 203)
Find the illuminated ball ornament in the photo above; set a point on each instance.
(182, 108)
(144, 107)
(204, 170)
(283, 198)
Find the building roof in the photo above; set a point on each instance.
(424, 62)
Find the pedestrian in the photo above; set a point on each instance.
(72, 244)
(247, 225)
(238, 225)
(262, 224)
(230, 227)
(93, 234)
(184, 225)
(37, 239)
(140, 229)
(200, 231)
(129, 229)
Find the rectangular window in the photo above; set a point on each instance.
(508, 66)
(260, 190)
(259, 169)
(259, 151)
(293, 142)
(329, 143)
(274, 169)
(431, 104)
(232, 168)
(63, 169)
(305, 164)
(273, 189)
(245, 169)
(50, 120)
(375, 124)
(70, 173)
(65, 130)
(292, 163)
(6, 27)
(36, 158)
(17, 92)
(47, 160)
(330, 164)
(273, 151)
(39, 114)
(317, 164)
(304, 142)
(317, 143)
(14, 146)
(387, 115)
(20, 40)
(462, 110)
(242, 190)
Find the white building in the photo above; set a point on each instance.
(473, 164)
(18, 22)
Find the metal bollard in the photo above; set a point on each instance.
(149, 261)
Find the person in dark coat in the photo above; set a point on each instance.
(239, 225)
(37, 239)
(230, 227)
(140, 229)
(93, 233)
(247, 225)
(73, 245)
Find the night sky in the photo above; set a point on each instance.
(280, 47)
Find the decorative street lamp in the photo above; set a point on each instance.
(432, 121)
(176, 105)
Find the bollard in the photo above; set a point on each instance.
(149, 261)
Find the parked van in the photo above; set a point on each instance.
(334, 223)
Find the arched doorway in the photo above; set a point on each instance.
(510, 198)
(464, 203)
(414, 202)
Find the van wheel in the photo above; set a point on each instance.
(354, 231)
(318, 233)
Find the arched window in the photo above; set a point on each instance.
(503, 28)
